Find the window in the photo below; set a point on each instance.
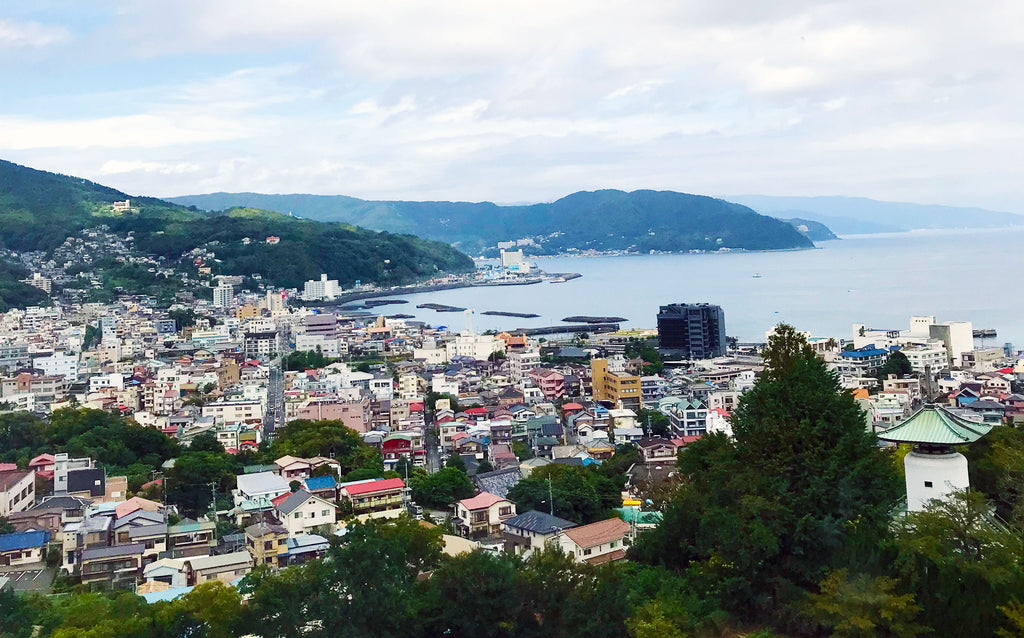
(927, 483)
(324, 513)
(297, 515)
(505, 511)
(586, 552)
(612, 545)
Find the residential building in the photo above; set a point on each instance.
(117, 566)
(223, 296)
(597, 543)
(483, 514)
(258, 485)
(861, 362)
(532, 531)
(375, 498)
(622, 389)
(191, 538)
(302, 513)
(17, 491)
(266, 543)
(23, 548)
(223, 567)
(323, 289)
(550, 382)
(520, 364)
(694, 331)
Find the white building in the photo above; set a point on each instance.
(479, 347)
(59, 364)
(520, 364)
(323, 289)
(223, 296)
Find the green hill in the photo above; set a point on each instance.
(38, 210)
(602, 220)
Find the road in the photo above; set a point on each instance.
(275, 401)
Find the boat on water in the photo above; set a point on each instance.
(757, 275)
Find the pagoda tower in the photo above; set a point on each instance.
(934, 468)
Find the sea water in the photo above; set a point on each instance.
(879, 280)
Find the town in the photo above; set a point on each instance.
(379, 417)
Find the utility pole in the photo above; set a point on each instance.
(551, 498)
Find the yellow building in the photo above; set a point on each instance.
(266, 543)
(618, 387)
(248, 311)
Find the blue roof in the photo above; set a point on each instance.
(863, 353)
(23, 540)
(165, 595)
(320, 483)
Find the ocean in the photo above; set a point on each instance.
(879, 280)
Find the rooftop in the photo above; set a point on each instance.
(937, 426)
(599, 532)
(534, 521)
(480, 501)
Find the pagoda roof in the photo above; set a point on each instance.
(937, 426)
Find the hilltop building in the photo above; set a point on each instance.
(934, 469)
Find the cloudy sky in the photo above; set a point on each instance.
(521, 101)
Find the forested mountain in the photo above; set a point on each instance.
(38, 210)
(602, 220)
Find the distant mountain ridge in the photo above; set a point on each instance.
(38, 210)
(855, 215)
(642, 220)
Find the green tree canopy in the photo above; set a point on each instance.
(798, 491)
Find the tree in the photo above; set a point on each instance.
(655, 421)
(581, 494)
(206, 442)
(455, 461)
(214, 606)
(483, 466)
(785, 348)
(954, 547)
(193, 479)
(802, 488)
(897, 364)
(442, 488)
(522, 451)
(304, 438)
(294, 486)
(863, 607)
(5, 526)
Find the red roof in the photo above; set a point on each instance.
(683, 441)
(374, 486)
(416, 407)
(572, 406)
(1008, 370)
(476, 411)
(480, 501)
(280, 499)
(42, 459)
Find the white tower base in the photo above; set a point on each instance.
(933, 476)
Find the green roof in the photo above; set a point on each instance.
(632, 514)
(936, 425)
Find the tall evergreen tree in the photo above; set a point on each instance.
(800, 489)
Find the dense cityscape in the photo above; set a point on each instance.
(511, 320)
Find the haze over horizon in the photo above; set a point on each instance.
(523, 101)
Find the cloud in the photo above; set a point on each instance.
(114, 167)
(532, 100)
(29, 34)
(129, 131)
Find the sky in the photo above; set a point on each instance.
(521, 101)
